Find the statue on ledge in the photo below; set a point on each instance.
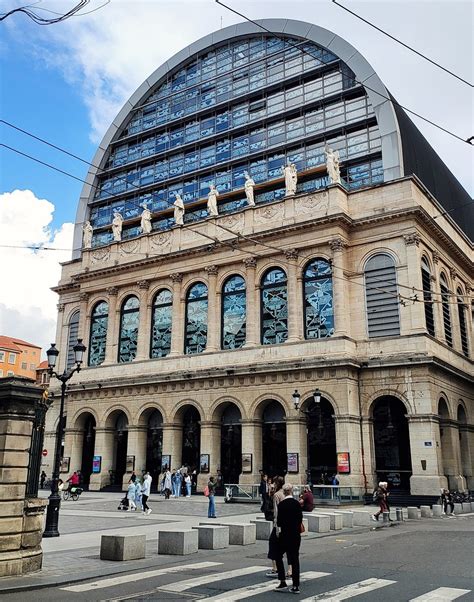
(145, 223)
(178, 210)
(117, 223)
(333, 165)
(87, 232)
(291, 178)
(249, 186)
(212, 201)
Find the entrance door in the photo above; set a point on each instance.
(88, 445)
(191, 438)
(322, 456)
(121, 442)
(154, 447)
(274, 440)
(231, 444)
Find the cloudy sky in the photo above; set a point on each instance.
(66, 82)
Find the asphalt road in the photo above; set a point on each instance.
(402, 563)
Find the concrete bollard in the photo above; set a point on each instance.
(335, 520)
(437, 510)
(122, 547)
(425, 511)
(318, 523)
(413, 513)
(361, 518)
(457, 508)
(212, 537)
(263, 528)
(179, 542)
(466, 506)
(240, 534)
(386, 517)
(347, 518)
(399, 513)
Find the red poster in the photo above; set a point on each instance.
(343, 462)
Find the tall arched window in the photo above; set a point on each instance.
(73, 332)
(195, 333)
(98, 333)
(233, 313)
(427, 297)
(318, 302)
(381, 296)
(443, 287)
(274, 307)
(128, 337)
(161, 318)
(462, 323)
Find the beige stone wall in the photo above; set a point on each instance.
(398, 218)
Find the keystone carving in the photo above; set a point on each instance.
(412, 239)
(337, 244)
(84, 297)
(291, 254)
(435, 257)
(176, 277)
(212, 270)
(250, 262)
(60, 307)
(143, 284)
(112, 291)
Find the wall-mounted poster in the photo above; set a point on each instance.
(204, 463)
(65, 462)
(292, 462)
(246, 462)
(166, 462)
(130, 465)
(343, 462)
(96, 464)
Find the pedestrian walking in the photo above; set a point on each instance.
(131, 496)
(177, 483)
(42, 479)
(146, 488)
(167, 485)
(289, 529)
(138, 492)
(447, 500)
(277, 496)
(211, 487)
(187, 482)
(380, 496)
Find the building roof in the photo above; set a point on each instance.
(12, 344)
(43, 365)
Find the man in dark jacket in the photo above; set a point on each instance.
(289, 521)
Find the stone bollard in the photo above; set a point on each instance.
(263, 528)
(213, 537)
(240, 534)
(122, 547)
(437, 510)
(466, 506)
(413, 513)
(457, 508)
(179, 542)
(399, 513)
(386, 517)
(336, 520)
(347, 518)
(425, 511)
(318, 523)
(361, 518)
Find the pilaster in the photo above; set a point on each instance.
(297, 442)
(213, 321)
(172, 443)
(339, 285)
(252, 305)
(427, 466)
(210, 444)
(104, 447)
(144, 326)
(252, 444)
(113, 326)
(136, 446)
(294, 308)
(177, 325)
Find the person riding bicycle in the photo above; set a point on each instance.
(74, 480)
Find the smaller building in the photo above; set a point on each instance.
(18, 358)
(42, 375)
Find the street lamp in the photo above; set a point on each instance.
(52, 513)
(296, 399)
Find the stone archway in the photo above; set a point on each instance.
(392, 443)
(88, 445)
(191, 441)
(231, 444)
(154, 445)
(118, 421)
(321, 436)
(274, 458)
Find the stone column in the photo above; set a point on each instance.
(62, 337)
(426, 461)
(348, 440)
(451, 454)
(413, 259)
(369, 452)
(210, 444)
(213, 319)
(297, 442)
(466, 443)
(136, 446)
(173, 443)
(21, 518)
(252, 444)
(73, 442)
(252, 305)
(112, 328)
(143, 344)
(83, 330)
(340, 288)
(295, 309)
(437, 307)
(177, 326)
(104, 447)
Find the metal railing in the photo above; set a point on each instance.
(323, 494)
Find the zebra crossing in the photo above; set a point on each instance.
(317, 582)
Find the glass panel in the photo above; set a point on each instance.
(161, 324)
(195, 336)
(233, 313)
(318, 300)
(98, 333)
(274, 304)
(128, 338)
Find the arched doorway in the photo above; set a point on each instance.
(466, 469)
(392, 443)
(154, 446)
(231, 444)
(120, 449)
(88, 444)
(447, 460)
(191, 438)
(321, 432)
(274, 460)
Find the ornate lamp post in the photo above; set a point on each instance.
(52, 513)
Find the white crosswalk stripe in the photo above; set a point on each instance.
(442, 594)
(113, 581)
(182, 586)
(350, 591)
(259, 588)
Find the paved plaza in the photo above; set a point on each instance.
(415, 560)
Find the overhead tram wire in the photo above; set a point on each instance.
(305, 51)
(395, 39)
(238, 235)
(40, 20)
(401, 298)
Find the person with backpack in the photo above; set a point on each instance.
(380, 496)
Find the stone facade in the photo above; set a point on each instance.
(351, 370)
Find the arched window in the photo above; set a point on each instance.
(462, 323)
(98, 333)
(128, 337)
(274, 307)
(427, 298)
(195, 333)
(233, 313)
(72, 335)
(443, 287)
(161, 318)
(381, 296)
(318, 302)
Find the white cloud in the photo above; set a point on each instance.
(27, 305)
